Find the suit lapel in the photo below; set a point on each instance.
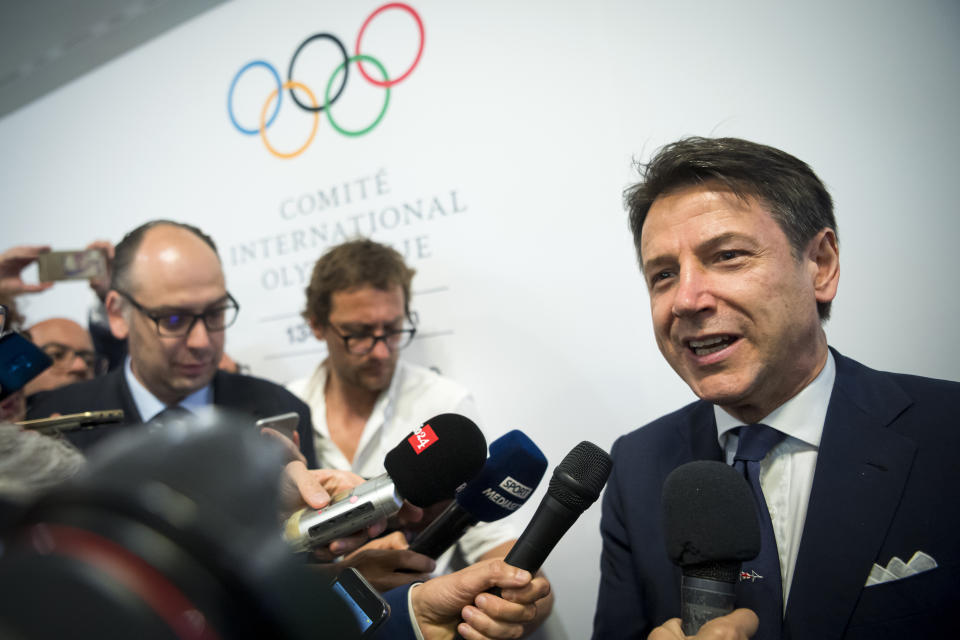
(131, 415)
(694, 439)
(703, 434)
(862, 467)
(228, 394)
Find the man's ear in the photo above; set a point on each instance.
(823, 254)
(318, 329)
(118, 322)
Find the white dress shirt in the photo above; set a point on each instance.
(786, 473)
(415, 395)
(149, 406)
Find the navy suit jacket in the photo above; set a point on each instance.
(253, 396)
(398, 626)
(887, 483)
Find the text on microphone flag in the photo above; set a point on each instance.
(422, 438)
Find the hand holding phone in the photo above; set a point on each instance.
(88, 264)
(285, 423)
(12, 262)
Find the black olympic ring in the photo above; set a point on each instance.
(346, 69)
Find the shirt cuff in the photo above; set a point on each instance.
(413, 618)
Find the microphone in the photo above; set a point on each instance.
(426, 467)
(507, 480)
(710, 527)
(576, 484)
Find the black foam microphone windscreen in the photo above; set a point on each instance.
(440, 455)
(710, 527)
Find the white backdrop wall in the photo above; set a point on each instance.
(498, 170)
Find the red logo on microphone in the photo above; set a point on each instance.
(422, 438)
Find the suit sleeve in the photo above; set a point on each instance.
(620, 611)
(398, 626)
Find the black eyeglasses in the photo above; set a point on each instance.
(176, 323)
(360, 344)
(63, 356)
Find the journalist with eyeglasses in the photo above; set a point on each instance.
(168, 299)
(364, 397)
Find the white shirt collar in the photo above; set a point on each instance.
(149, 406)
(801, 417)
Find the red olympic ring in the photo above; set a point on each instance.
(416, 16)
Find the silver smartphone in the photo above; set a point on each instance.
(285, 423)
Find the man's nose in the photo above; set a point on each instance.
(78, 365)
(198, 337)
(692, 294)
(380, 349)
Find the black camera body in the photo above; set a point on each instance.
(168, 534)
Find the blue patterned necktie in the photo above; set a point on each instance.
(760, 587)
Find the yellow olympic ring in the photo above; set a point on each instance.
(289, 84)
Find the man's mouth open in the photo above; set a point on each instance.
(706, 346)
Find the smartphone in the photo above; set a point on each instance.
(73, 421)
(285, 423)
(20, 362)
(71, 265)
(369, 608)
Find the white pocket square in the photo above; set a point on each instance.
(897, 569)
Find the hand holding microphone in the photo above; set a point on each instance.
(576, 484)
(741, 624)
(710, 527)
(424, 468)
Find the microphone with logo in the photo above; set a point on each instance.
(426, 467)
(509, 477)
(710, 527)
(576, 484)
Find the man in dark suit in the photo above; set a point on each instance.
(738, 245)
(168, 299)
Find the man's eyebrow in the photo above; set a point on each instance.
(175, 309)
(363, 326)
(706, 246)
(657, 262)
(714, 242)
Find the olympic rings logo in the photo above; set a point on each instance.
(329, 97)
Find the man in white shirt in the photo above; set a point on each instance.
(363, 398)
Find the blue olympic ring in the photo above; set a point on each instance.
(233, 85)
